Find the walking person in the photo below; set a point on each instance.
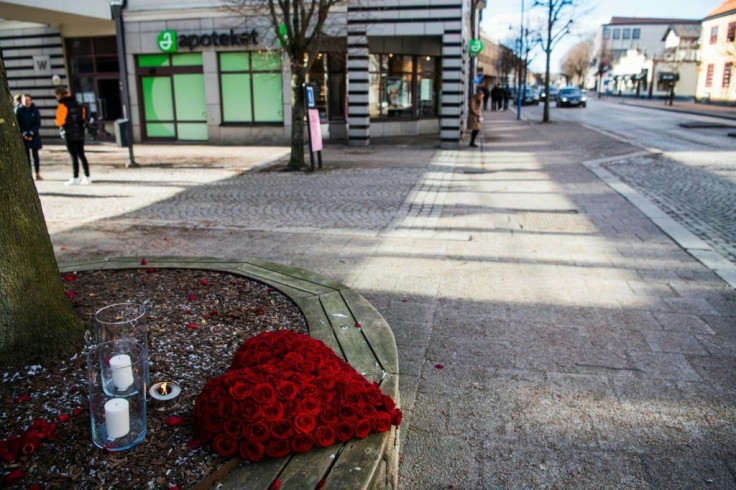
(29, 122)
(70, 117)
(506, 96)
(475, 117)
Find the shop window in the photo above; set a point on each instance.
(636, 33)
(709, 75)
(251, 88)
(714, 34)
(172, 94)
(327, 75)
(92, 55)
(727, 75)
(402, 86)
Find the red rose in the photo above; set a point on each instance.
(264, 393)
(291, 409)
(304, 422)
(278, 448)
(353, 398)
(240, 391)
(249, 409)
(324, 436)
(363, 428)
(227, 407)
(286, 390)
(301, 443)
(309, 405)
(388, 402)
(272, 412)
(344, 431)
(309, 390)
(212, 422)
(373, 395)
(396, 416)
(253, 451)
(367, 411)
(225, 446)
(346, 412)
(325, 381)
(259, 431)
(234, 428)
(381, 422)
(281, 429)
(328, 416)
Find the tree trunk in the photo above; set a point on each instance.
(296, 161)
(36, 318)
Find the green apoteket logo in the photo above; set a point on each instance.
(167, 41)
(476, 46)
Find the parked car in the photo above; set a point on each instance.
(552, 93)
(571, 97)
(530, 95)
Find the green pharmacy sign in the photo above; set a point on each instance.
(476, 46)
(166, 41)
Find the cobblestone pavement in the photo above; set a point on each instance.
(580, 346)
(701, 198)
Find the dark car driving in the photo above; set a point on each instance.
(571, 97)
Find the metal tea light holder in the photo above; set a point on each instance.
(116, 374)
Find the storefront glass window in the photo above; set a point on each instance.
(251, 87)
(172, 93)
(402, 86)
(327, 75)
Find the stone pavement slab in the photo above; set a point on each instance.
(581, 346)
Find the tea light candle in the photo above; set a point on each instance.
(117, 418)
(165, 391)
(122, 372)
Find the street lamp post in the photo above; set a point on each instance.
(521, 53)
(117, 6)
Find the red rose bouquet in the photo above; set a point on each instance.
(287, 392)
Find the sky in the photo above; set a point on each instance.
(500, 14)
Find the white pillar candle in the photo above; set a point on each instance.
(117, 418)
(122, 372)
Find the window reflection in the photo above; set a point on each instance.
(402, 86)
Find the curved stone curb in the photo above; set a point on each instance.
(332, 311)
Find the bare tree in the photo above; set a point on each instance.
(559, 19)
(299, 26)
(36, 318)
(576, 62)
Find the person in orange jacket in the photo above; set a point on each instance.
(70, 117)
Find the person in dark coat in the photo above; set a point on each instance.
(29, 122)
(506, 97)
(475, 116)
(495, 98)
(486, 96)
(70, 117)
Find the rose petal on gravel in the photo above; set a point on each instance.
(175, 420)
(23, 398)
(439, 366)
(144, 261)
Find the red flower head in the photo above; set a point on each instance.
(278, 448)
(363, 428)
(253, 451)
(259, 431)
(234, 428)
(13, 476)
(264, 393)
(281, 429)
(324, 436)
(225, 446)
(381, 422)
(301, 443)
(304, 422)
(273, 412)
(344, 431)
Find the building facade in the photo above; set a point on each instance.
(718, 55)
(201, 71)
(635, 56)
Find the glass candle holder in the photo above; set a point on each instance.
(123, 321)
(116, 374)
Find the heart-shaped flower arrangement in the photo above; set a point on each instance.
(287, 392)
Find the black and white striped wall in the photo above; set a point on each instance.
(32, 55)
(448, 19)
